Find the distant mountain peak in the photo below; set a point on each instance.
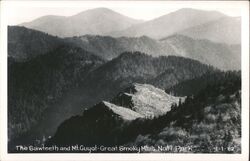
(198, 10)
(98, 21)
(99, 11)
(171, 23)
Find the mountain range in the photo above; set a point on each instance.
(25, 44)
(110, 47)
(220, 55)
(171, 23)
(95, 21)
(211, 25)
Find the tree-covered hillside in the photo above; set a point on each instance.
(209, 121)
(50, 88)
(36, 84)
(193, 86)
(25, 44)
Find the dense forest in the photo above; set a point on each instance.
(193, 86)
(209, 121)
(34, 85)
(215, 108)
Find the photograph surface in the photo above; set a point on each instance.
(124, 77)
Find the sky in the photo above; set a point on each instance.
(19, 12)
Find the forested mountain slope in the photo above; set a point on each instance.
(25, 44)
(36, 84)
(217, 107)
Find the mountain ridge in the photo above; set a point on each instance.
(224, 30)
(220, 55)
(44, 80)
(93, 21)
(104, 21)
(25, 44)
(202, 50)
(179, 20)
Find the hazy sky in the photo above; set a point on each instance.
(18, 12)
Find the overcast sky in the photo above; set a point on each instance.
(18, 12)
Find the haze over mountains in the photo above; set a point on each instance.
(184, 32)
(220, 55)
(102, 21)
(96, 21)
(110, 47)
(25, 44)
(171, 23)
(223, 30)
